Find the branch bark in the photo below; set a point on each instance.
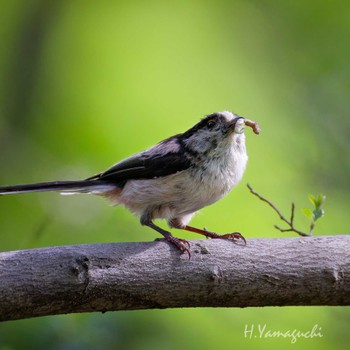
(129, 276)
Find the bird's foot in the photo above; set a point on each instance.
(235, 236)
(181, 244)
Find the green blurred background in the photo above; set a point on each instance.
(85, 83)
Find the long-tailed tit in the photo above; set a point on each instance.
(173, 179)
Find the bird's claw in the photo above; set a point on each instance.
(181, 244)
(235, 236)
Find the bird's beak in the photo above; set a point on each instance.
(237, 125)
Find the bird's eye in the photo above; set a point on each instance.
(211, 123)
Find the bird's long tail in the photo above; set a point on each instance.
(65, 187)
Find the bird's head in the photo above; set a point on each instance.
(215, 133)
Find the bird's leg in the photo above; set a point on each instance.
(233, 236)
(181, 244)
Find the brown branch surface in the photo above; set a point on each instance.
(129, 276)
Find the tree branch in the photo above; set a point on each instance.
(129, 276)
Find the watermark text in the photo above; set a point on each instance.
(262, 331)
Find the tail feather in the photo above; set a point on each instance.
(71, 187)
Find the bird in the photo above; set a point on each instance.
(172, 180)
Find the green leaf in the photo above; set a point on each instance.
(317, 214)
(313, 200)
(320, 200)
(308, 213)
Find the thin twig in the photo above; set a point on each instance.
(282, 217)
(292, 214)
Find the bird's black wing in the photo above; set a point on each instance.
(156, 162)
